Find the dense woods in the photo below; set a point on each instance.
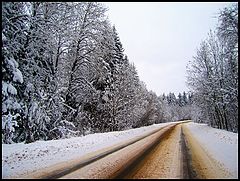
(213, 74)
(65, 73)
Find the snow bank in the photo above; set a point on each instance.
(20, 158)
(220, 144)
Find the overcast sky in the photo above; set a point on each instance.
(161, 38)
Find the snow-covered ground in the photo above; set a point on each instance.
(20, 158)
(220, 144)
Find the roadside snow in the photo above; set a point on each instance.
(220, 144)
(19, 159)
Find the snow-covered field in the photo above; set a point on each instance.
(18, 159)
(220, 144)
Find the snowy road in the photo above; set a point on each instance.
(203, 165)
(110, 165)
(163, 161)
(178, 155)
(180, 151)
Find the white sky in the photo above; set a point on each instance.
(161, 38)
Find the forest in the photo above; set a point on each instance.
(65, 73)
(213, 74)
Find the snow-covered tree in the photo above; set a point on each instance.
(65, 74)
(13, 17)
(213, 77)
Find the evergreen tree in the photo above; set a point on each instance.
(13, 17)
